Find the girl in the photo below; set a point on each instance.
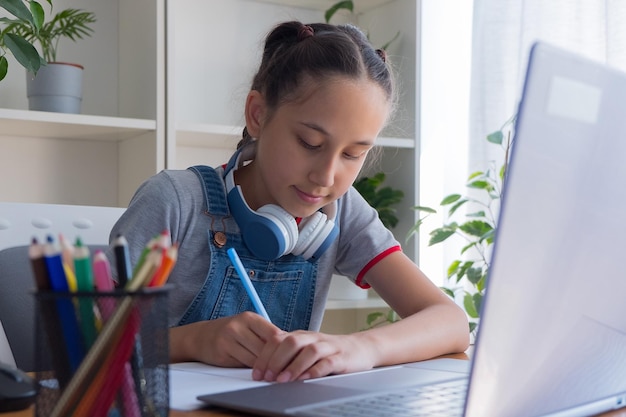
(284, 201)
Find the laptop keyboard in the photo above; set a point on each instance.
(441, 399)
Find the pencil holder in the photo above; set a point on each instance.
(102, 353)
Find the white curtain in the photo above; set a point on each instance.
(503, 31)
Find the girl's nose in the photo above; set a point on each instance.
(323, 171)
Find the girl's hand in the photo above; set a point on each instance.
(234, 341)
(304, 354)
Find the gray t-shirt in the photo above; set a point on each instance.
(170, 201)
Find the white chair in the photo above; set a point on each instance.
(19, 223)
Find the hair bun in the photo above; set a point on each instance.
(382, 54)
(304, 32)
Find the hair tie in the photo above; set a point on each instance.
(382, 54)
(305, 31)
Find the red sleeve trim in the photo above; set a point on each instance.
(370, 265)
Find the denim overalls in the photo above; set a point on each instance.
(286, 285)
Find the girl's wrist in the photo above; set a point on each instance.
(181, 341)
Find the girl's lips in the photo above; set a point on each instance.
(308, 198)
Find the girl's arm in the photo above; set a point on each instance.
(432, 324)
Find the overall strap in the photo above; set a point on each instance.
(212, 184)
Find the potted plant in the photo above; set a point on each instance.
(382, 198)
(467, 275)
(23, 50)
(57, 86)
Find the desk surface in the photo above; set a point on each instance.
(224, 413)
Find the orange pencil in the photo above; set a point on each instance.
(167, 263)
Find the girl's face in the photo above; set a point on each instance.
(310, 150)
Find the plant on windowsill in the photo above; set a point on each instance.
(467, 275)
(56, 86)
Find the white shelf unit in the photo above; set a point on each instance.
(98, 157)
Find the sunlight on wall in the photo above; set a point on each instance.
(444, 119)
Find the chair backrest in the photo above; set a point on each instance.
(19, 222)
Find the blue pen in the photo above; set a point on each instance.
(247, 284)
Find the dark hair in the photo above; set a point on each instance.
(294, 51)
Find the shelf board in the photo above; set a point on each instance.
(200, 135)
(370, 302)
(226, 137)
(41, 124)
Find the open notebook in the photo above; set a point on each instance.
(552, 339)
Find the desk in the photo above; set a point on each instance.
(223, 413)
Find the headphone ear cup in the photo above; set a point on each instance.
(281, 225)
(322, 240)
(308, 228)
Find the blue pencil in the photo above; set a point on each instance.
(247, 283)
(67, 315)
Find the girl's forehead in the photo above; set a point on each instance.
(309, 86)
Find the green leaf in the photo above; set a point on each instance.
(4, 66)
(450, 199)
(489, 236)
(480, 285)
(455, 207)
(477, 214)
(441, 234)
(391, 316)
(448, 291)
(476, 228)
(481, 185)
(470, 307)
(472, 326)
(18, 9)
(24, 52)
(496, 137)
(463, 270)
(453, 267)
(348, 5)
(475, 175)
(413, 230)
(478, 302)
(38, 14)
(424, 209)
(474, 275)
(372, 317)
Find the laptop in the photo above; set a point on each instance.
(552, 337)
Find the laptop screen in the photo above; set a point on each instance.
(553, 332)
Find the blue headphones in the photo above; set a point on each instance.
(271, 232)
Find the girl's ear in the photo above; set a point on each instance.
(255, 112)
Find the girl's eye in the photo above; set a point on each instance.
(350, 156)
(307, 145)
(355, 155)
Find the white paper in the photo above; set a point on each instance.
(188, 380)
